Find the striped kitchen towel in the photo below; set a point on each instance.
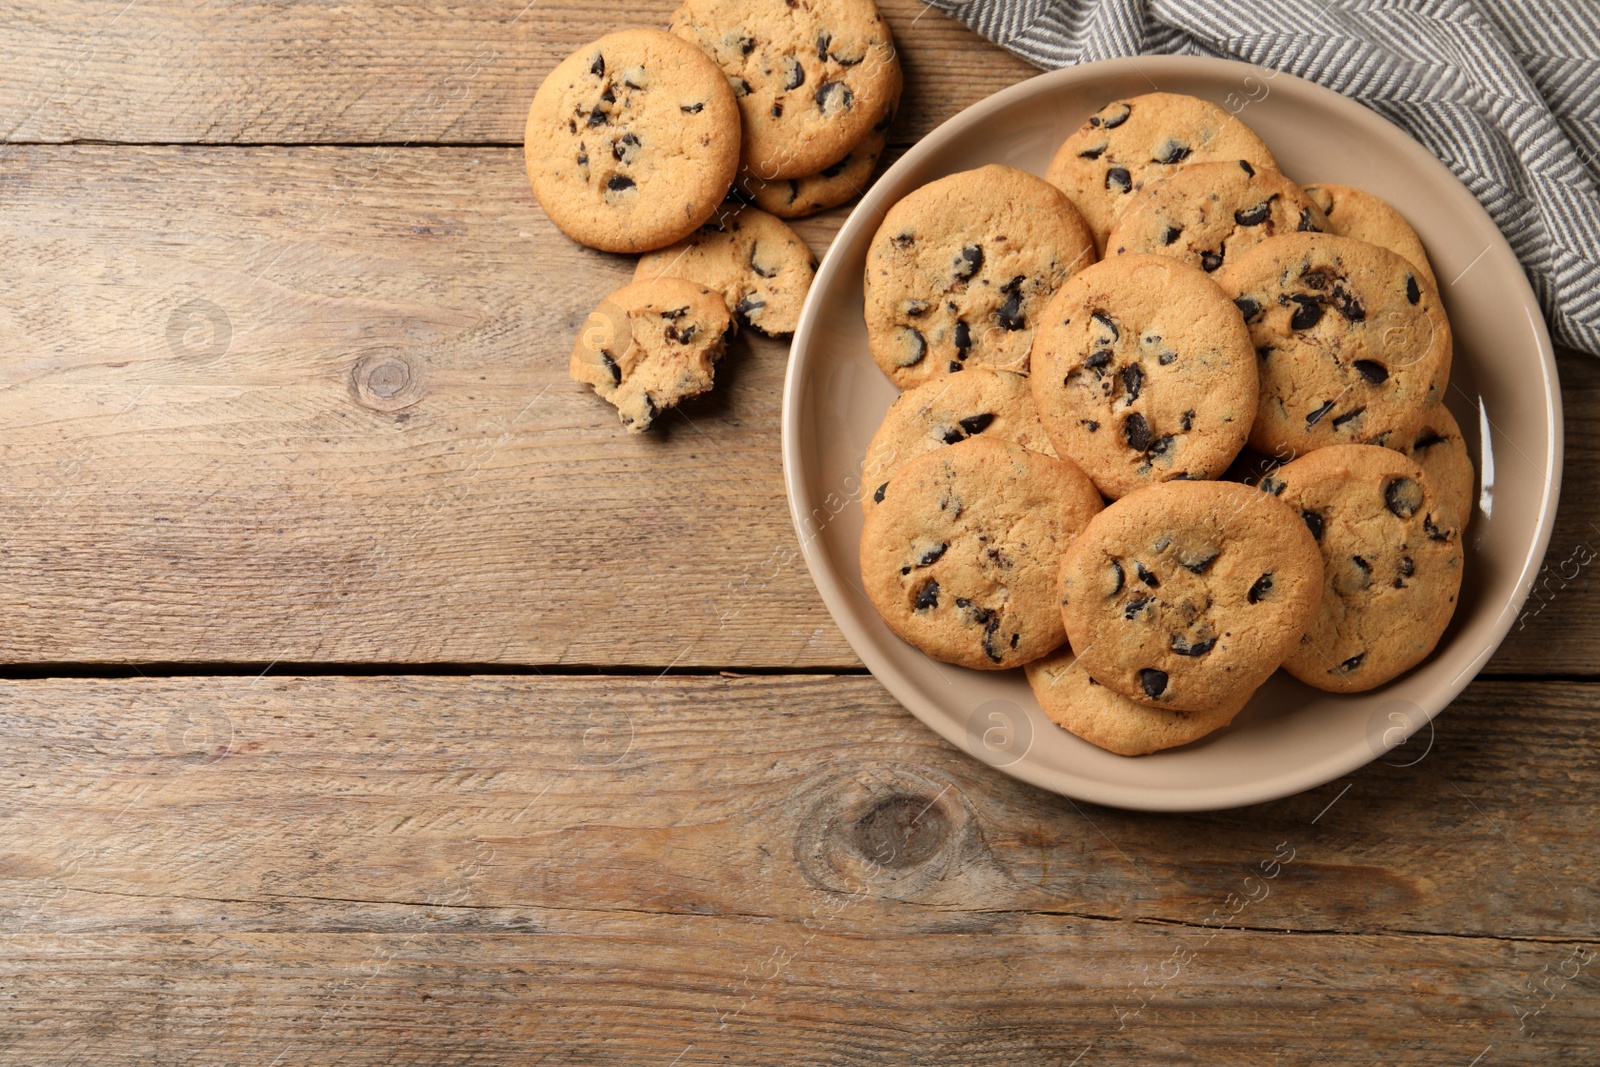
(1506, 92)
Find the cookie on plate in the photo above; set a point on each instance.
(1129, 143)
(1204, 212)
(1353, 346)
(632, 141)
(960, 556)
(812, 79)
(1143, 372)
(946, 410)
(651, 344)
(794, 198)
(1082, 706)
(761, 267)
(1436, 445)
(961, 268)
(1189, 595)
(1392, 549)
(1368, 218)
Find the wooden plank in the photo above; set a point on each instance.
(498, 869)
(177, 71)
(311, 405)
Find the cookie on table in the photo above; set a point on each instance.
(960, 555)
(632, 141)
(651, 344)
(946, 410)
(1204, 212)
(1082, 706)
(1353, 346)
(762, 268)
(1392, 551)
(1436, 445)
(794, 198)
(1143, 372)
(812, 79)
(961, 268)
(1129, 143)
(1368, 218)
(1188, 595)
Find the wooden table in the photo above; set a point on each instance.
(371, 699)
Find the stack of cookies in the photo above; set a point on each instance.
(635, 143)
(1170, 422)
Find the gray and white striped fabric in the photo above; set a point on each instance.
(1506, 92)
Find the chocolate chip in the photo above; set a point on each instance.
(1348, 305)
(915, 346)
(1167, 358)
(1171, 234)
(1255, 216)
(1272, 486)
(1339, 421)
(1137, 432)
(1119, 179)
(583, 159)
(1247, 168)
(619, 182)
(1090, 425)
(777, 111)
(1407, 568)
(1315, 278)
(1403, 497)
(597, 117)
(1134, 606)
(598, 67)
(1109, 323)
(836, 169)
(1145, 576)
(1172, 152)
(1263, 351)
(740, 87)
(1260, 589)
(1097, 360)
(692, 109)
(1182, 647)
(1115, 117)
(1210, 261)
(1132, 380)
(1350, 664)
(611, 367)
(968, 262)
(1153, 682)
(1010, 316)
(823, 41)
(877, 498)
(1308, 223)
(675, 313)
(963, 338)
(1434, 532)
(608, 96)
(1199, 566)
(1092, 153)
(1314, 523)
(620, 150)
(1365, 568)
(1187, 422)
(931, 556)
(749, 307)
(904, 240)
(1247, 307)
(1122, 578)
(1376, 373)
(1316, 416)
(1413, 294)
(681, 336)
(1307, 311)
(834, 97)
(975, 424)
(1159, 446)
(746, 45)
(953, 435)
(928, 596)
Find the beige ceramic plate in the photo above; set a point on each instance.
(1291, 737)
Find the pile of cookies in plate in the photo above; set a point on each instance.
(1169, 422)
(636, 142)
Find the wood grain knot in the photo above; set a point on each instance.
(900, 831)
(386, 382)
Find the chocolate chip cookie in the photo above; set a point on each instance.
(1203, 212)
(944, 411)
(1079, 704)
(793, 198)
(1143, 372)
(812, 77)
(1352, 345)
(960, 556)
(1391, 546)
(651, 344)
(760, 266)
(632, 141)
(1129, 143)
(1368, 218)
(960, 269)
(1436, 445)
(1188, 595)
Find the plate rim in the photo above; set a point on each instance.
(1222, 796)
